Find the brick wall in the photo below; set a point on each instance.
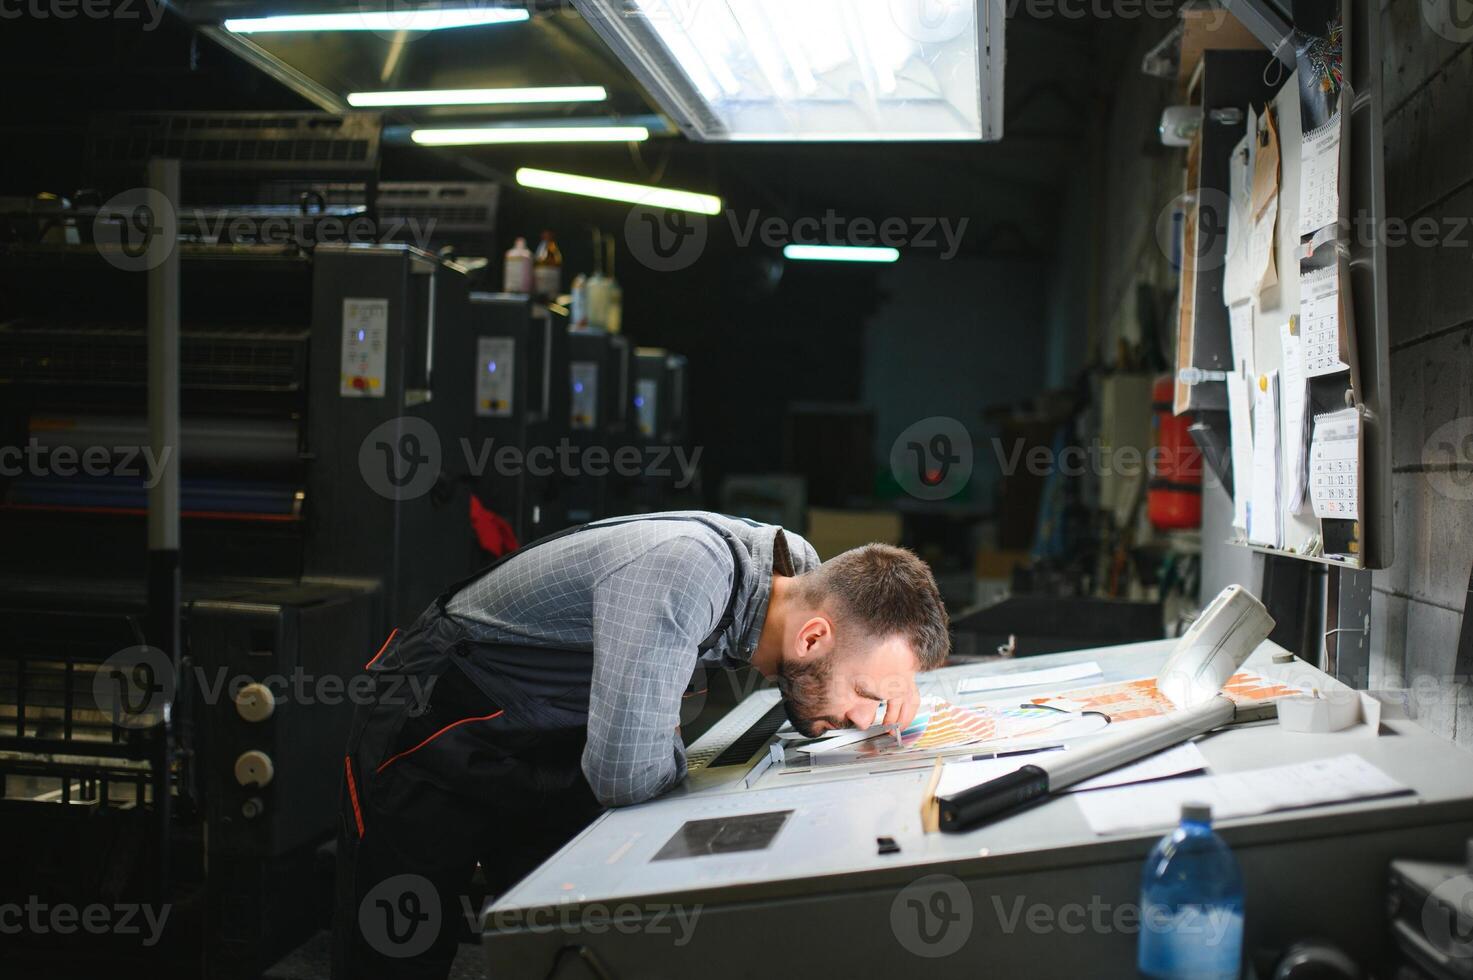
(1417, 604)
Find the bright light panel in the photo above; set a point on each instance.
(467, 136)
(840, 253)
(815, 69)
(372, 20)
(481, 96)
(617, 190)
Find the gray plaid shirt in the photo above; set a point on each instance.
(640, 595)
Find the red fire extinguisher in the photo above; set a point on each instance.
(1174, 494)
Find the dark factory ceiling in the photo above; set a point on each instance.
(1011, 191)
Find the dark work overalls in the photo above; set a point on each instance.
(469, 752)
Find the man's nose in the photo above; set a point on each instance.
(861, 715)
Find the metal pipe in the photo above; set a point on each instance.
(164, 590)
(1136, 741)
(163, 373)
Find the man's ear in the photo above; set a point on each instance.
(815, 638)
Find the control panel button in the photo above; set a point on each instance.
(254, 768)
(255, 702)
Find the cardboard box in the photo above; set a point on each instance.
(832, 532)
(999, 564)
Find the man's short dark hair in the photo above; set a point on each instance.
(884, 591)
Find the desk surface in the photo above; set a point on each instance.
(829, 836)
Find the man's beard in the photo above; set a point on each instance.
(804, 685)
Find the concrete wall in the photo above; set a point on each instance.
(985, 314)
(1417, 610)
(1418, 603)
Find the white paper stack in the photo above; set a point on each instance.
(1265, 526)
(1241, 794)
(1294, 398)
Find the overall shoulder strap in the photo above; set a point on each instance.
(728, 616)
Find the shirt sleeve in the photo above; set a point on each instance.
(649, 616)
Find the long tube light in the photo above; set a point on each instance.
(481, 96)
(378, 20)
(617, 190)
(840, 253)
(475, 135)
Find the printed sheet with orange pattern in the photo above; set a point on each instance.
(1128, 700)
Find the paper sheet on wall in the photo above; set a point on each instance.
(1319, 174)
(1265, 204)
(1334, 465)
(1264, 526)
(1293, 412)
(1264, 273)
(1240, 424)
(1240, 325)
(1237, 281)
(1319, 321)
(1241, 794)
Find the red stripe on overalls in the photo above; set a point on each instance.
(453, 724)
(382, 649)
(353, 794)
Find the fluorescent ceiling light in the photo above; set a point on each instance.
(481, 96)
(835, 70)
(617, 190)
(840, 253)
(465, 136)
(378, 20)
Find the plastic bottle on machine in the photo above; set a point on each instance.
(1191, 904)
(578, 315)
(614, 315)
(598, 286)
(516, 274)
(547, 269)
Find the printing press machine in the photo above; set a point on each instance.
(322, 503)
(599, 367)
(793, 876)
(660, 398)
(324, 393)
(519, 349)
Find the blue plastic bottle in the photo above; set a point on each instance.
(1191, 904)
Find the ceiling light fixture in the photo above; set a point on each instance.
(474, 135)
(840, 253)
(617, 190)
(480, 96)
(378, 20)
